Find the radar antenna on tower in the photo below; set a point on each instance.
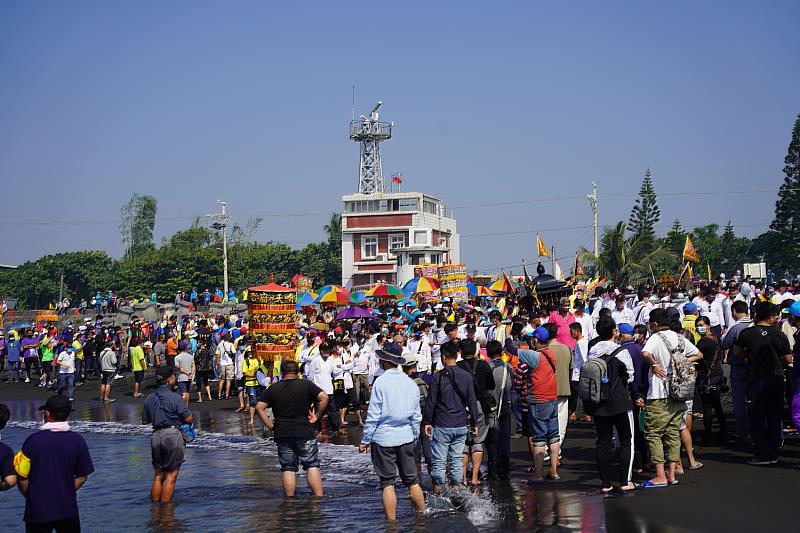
(370, 132)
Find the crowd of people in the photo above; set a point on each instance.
(442, 388)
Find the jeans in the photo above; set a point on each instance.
(66, 381)
(498, 445)
(13, 370)
(447, 445)
(516, 409)
(739, 392)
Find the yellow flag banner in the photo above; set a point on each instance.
(542, 249)
(708, 266)
(689, 253)
(691, 274)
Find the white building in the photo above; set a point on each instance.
(385, 234)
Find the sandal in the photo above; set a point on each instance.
(698, 466)
(636, 486)
(550, 477)
(651, 485)
(607, 490)
(530, 470)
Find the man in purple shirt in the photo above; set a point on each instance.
(30, 354)
(51, 466)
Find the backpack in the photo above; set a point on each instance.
(593, 385)
(682, 379)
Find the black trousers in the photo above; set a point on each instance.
(712, 403)
(498, 445)
(765, 410)
(65, 525)
(605, 426)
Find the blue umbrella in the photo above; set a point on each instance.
(353, 312)
(19, 325)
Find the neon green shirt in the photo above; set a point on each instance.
(137, 359)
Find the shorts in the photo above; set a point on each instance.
(294, 452)
(47, 367)
(252, 394)
(225, 372)
(475, 445)
(686, 415)
(168, 449)
(184, 387)
(138, 376)
(388, 460)
(107, 377)
(341, 398)
(544, 423)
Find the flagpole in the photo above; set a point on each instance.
(553, 260)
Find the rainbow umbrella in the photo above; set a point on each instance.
(358, 297)
(333, 294)
(485, 291)
(502, 285)
(306, 298)
(417, 285)
(385, 291)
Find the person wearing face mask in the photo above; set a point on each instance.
(343, 391)
(709, 381)
(562, 318)
(633, 340)
(622, 314)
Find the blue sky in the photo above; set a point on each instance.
(492, 102)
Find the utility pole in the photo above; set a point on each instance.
(221, 223)
(61, 289)
(593, 202)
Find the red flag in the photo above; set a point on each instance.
(397, 179)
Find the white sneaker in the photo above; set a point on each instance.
(27, 380)
(118, 376)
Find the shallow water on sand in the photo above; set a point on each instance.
(231, 482)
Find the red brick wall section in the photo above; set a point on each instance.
(378, 221)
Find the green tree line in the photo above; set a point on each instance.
(191, 258)
(633, 253)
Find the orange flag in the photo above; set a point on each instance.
(543, 251)
(689, 253)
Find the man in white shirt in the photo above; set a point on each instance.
(580, 357)
(663, 414)
(586, 322)
(320, 371)
(418, 346)
(622, 314)
(710, 308)
(66, 371)
(642, 311)
(225, 362)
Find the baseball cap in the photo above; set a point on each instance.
(793, 309)
(541, 334)
(411, 360)
(56, 403)
(625, 328)
(690, 307)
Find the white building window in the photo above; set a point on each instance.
(398, 240)
(421, 237)
(369, 246)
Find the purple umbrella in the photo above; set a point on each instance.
(353, 312)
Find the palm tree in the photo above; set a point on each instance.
(626, 260)
(334, 230)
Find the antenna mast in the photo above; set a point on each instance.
(370, 132)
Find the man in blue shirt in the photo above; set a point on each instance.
(51, 466)
(167, 412)
(392, 429)
(14, 349)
